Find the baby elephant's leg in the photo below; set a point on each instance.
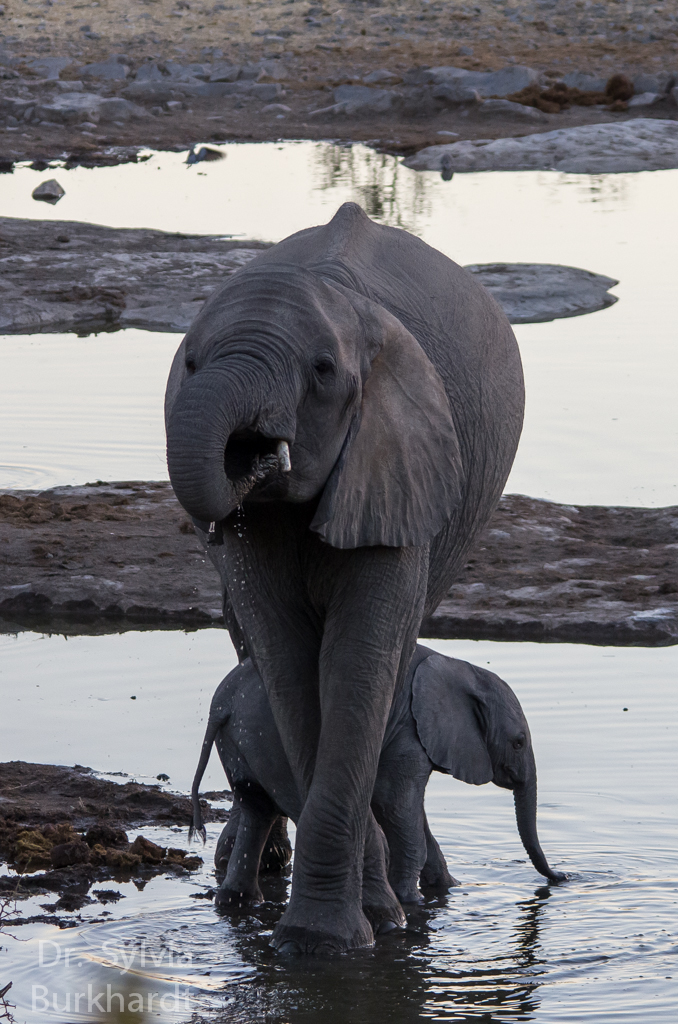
(434, 874)
(277, 852)
(226, 840)
(257, 812)
(398, 805)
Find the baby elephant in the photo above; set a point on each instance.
(450, 717)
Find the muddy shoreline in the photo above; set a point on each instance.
(104, 558)
(64, 830)
(72, 276)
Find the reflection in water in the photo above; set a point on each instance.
(386, 190)
(402, 980)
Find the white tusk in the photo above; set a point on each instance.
(283, 453)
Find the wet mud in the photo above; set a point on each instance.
(108, 557)
(64, 831)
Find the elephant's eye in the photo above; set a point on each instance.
(190, 365)
(518, 744)
(324, 366)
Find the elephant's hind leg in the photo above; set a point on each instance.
(257, 812)
(434, 874)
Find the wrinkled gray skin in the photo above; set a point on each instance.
(395, 379)
(450, 716)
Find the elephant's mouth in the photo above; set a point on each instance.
(251, 460)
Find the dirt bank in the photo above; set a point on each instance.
(63, 830)
(110, 557)
(312, 49)
(67, 276)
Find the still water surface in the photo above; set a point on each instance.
(503, 947)
(601, 423)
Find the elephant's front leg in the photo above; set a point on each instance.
(372, 617)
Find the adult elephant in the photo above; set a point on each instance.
(344, 413)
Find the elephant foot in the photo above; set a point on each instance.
(228, 899)
(329, 929)
(382, 907)
(408, 894)
(439, 879)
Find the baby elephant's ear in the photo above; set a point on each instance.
(448, 716)
(398, 479)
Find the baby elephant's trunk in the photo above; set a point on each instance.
(525, 798)
(197, 825)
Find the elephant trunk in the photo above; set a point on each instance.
(525, 799)
(224, 437)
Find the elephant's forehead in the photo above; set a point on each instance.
(295, 310)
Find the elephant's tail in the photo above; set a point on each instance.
(197, 825)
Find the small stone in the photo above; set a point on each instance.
(173, 106)
(516, 110)
(645, 99)
(225, 73)
(382, 77)
(276, 108)
(106, 70)
(49, 192)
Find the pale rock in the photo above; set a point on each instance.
(225, 73)
(361, 99)
(642, 144)
(382, 77)
(70, 108)
(485, 83)
(49, 67)
(110, 70)
(645, 99)
(659, 83)
(149, 73)
(506, 108)
(584, 82)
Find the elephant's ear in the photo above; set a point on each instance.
(447, 713)
(397, 480)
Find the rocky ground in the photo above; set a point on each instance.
(80, 80)
(67, 276)
(110, 557)
(64, 830)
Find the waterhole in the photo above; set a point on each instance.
(601, 427)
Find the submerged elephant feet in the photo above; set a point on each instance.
(322, 929)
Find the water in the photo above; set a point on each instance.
(503, 947)
(601, 424)
(601, 427)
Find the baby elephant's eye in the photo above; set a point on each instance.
(519, 743)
